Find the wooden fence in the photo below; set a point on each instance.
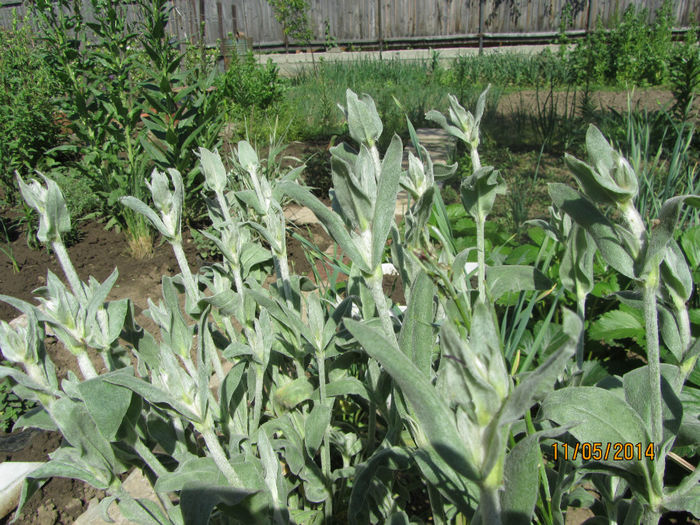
(374, 21)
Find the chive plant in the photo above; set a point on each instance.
(269, 398)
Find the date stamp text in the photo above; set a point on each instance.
(596, 451)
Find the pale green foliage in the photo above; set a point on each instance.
(244, 392)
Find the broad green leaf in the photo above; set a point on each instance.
(690, 241)
(637, 393)
(333, 224)
(417, 339)
(599, 416)
(617, 324)
(315, 427)
(385, 203)
(433, 415)
(608, 237)
(107, 403)
(515, 278)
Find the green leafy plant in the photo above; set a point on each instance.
(11, 406)
(294, 18)
(27, 119)
(268, 398)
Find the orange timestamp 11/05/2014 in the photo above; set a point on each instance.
(597, 451)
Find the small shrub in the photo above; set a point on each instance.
(27, 124)
(248, 84)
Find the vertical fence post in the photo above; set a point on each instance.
(193, 25)
(202, 32)
(481, 27)
(220, 19)
(380, 30)
(588, 17)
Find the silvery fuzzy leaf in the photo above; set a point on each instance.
(314, 486)
(50, 205)
(252, 255)
(675, 271)
(79, 429)
(314, 318)
(247, 157)
(479, 191)
(139, 207)
(214, 170)
(274, 480)
(22, 344)
(663, 231)
(535, 385)
(416, 338)
(36, 417)
(610, 238)
(330, 221)
(394, 458)
(385, 204)
(433, 415)
(295, 392)
(439, 118)
(107, 404)
(481, 105)
(636, 385)
(599, 416)
(154, 394)
(364, 123)
(612, 176)
(347, 386)
(365, 174)
(142, 511)
(250, 199)
(34, 194)
(688, 501)
(576, 268)
(315, 427)
(159, 186)
(670, 331)
(199, 498)
(464, 377)
(346, 197)
(521, 481)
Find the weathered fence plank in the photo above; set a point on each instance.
(358, 20)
